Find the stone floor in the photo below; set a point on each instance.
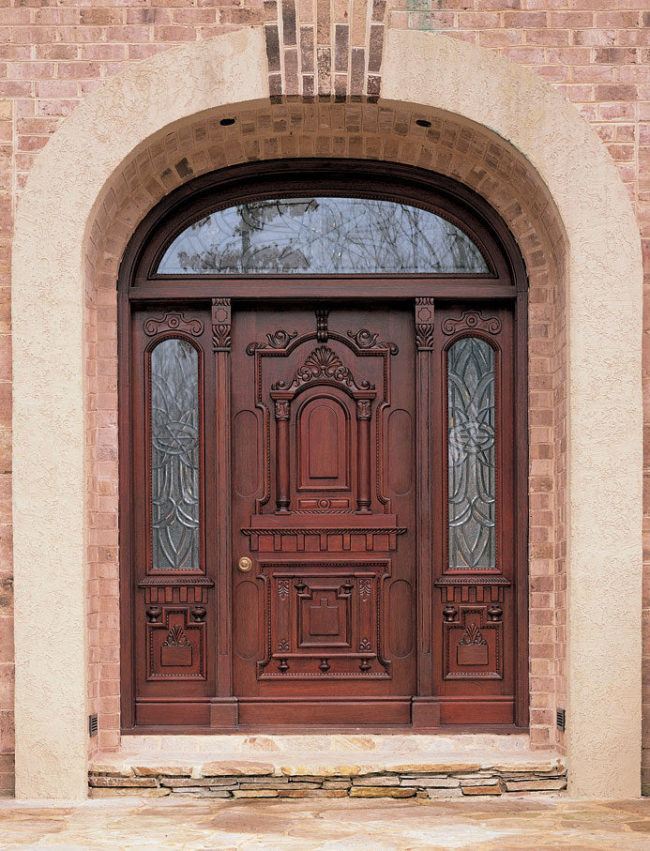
(515, 822)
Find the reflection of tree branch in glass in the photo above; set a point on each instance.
(322, 235)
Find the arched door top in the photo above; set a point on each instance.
(310, 218)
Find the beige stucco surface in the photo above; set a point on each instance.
(604, 451)
(604, 303)
(49, 419)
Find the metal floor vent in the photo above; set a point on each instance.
(92, 724)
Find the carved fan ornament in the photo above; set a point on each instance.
(323, 363)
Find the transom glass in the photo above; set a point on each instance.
(322, 235)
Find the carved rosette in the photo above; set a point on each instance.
(424, 318)
(472, 320)
(173, 322)
(221, 324)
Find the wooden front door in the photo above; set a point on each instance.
(324, 529)
(323, 454)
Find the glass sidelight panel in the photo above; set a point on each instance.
(322, 235)
(471, 452)
(175, 456)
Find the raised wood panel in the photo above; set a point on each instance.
(330, 534)
(245, 474)
(176, 644)
(324, 446)
(400, 617)
(326, 620)
(399, 452)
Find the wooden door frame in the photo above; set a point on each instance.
(139, 286)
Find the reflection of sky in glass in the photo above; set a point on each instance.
(321, 235)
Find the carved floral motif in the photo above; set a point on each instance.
(472, 636)
(176, 638)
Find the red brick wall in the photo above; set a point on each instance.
(52, 54)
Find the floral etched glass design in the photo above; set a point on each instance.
(471, 437)
(321, 235)
(175, 456)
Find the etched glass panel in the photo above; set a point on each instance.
(321, 235)
(175, 456)
(471, 498)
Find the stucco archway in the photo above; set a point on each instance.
(56, 229)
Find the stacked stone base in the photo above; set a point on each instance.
(241, 780)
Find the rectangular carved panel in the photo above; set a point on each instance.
(175, 637)
(325, 620)
(473, 644)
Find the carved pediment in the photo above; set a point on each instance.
(323, 364)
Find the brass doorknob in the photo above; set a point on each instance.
(244, 564)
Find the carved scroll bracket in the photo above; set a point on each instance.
(368, 341)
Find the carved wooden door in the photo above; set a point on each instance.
(323, 606)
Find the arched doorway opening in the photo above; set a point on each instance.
(323, 424)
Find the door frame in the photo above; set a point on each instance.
(137, 285)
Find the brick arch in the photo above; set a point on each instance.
(158, 125)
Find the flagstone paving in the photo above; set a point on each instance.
(139, 823)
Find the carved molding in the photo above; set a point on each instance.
(221, 324)
(472, 320)
(424, 318)
(173, 322)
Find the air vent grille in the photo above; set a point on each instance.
(561, 719)
(92, 724)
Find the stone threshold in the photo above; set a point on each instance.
(326, 766)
